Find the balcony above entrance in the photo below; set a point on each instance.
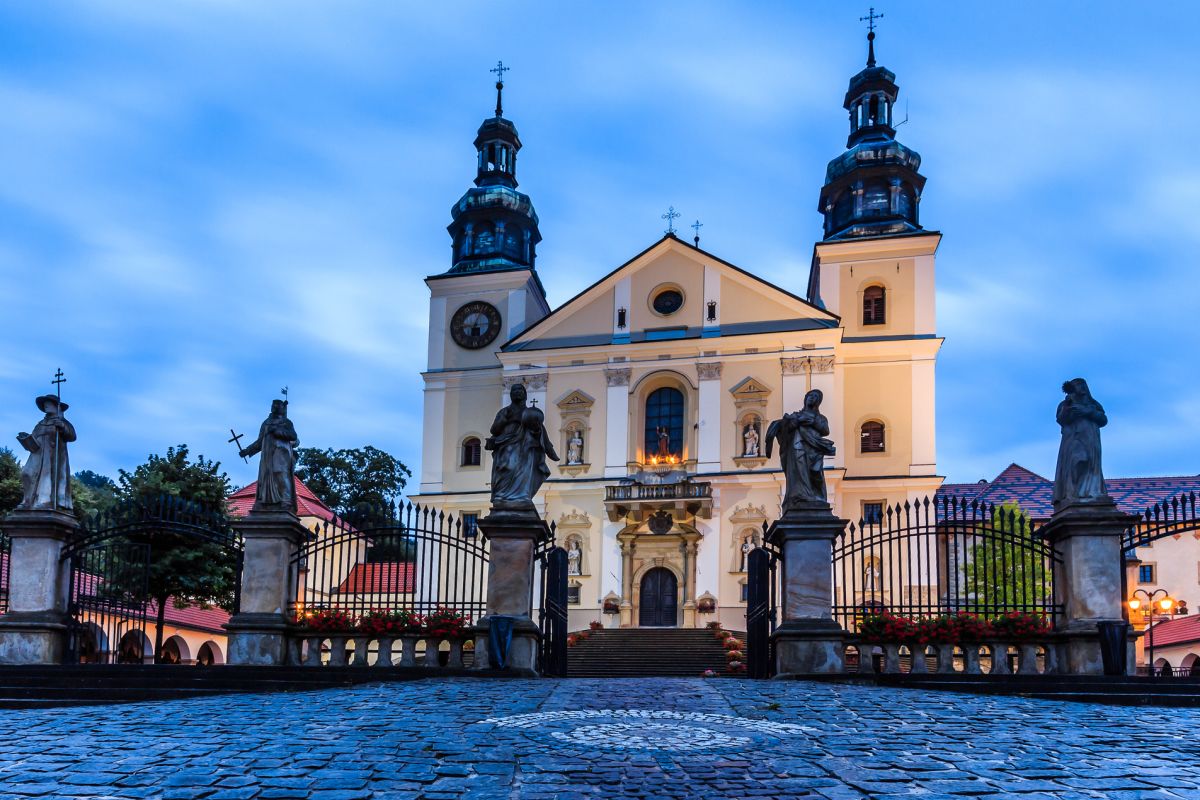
(636, 500)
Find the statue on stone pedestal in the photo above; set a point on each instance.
(520, 447)
(1078, 477)
(802, 450)
(46, 476)
(575, 448)
(277, 441)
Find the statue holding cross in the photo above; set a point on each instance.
(46, 476)
(277, 442)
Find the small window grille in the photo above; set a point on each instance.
(621, 318)
(872, 440)
(872, 513)
(470, 524)
(874, 306)
(712, 310)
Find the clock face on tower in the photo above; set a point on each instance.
(475, 325)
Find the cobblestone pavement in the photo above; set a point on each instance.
(674, 738)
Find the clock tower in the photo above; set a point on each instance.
(491, 292)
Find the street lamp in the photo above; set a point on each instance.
(1165, 604)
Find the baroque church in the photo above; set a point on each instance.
(659, 380)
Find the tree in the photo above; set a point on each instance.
(92, 493)
(10, 481)
(347, 480)
(185, 569)
(1006, 570)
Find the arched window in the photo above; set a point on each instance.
(664, 415)
(874, 306)
(472, 452)
(871, 439)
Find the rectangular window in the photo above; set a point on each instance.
(470, 524)
(573, 595)
(621, 318)
(872, 513)
(1146, 573)
(745, 592)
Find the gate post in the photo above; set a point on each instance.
(1088, 581)
(809, 641)
(35, 629)
(513, 537)
(258, 632)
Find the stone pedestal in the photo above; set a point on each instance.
(258, 633)
(34, 631)
(512, 537)
(809, 641)
(1088, 581)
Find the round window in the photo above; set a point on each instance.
(668, 301)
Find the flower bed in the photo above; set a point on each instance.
(444, 623)
(960, 628)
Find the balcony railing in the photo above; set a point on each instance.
(639, 492)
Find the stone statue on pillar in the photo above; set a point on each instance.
(46, 476)
(1078, 477)
(520, 446)
(277, 442)
(802, 450)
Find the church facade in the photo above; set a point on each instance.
(659, 380)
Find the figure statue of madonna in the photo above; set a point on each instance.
(520, 447)
(1078, 477)
(802, 450)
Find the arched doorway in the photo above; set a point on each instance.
(658, 599)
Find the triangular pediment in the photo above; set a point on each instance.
(750, 389)
(576, 400)
(623, 307)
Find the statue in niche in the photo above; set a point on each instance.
(574, 558)
(46, 476)
(520, 447)
(872, 576)
(277, 442)
(1078, 477)
(747, 546)
(664, 442)
(750, 440)
(802, 450)
(575, 448)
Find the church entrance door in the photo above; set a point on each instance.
(659, 599)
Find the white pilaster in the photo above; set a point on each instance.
(610, 559)
(712, 294)
(708, 559)
(516, 311)
(831, 286)
(709, 444)
(924, 443)
(436, 358)
(924, 297)
(434, 422)
(622, 293)
(616, 420)
(794, 383)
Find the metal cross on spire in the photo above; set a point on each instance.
(870, 20)
(58, 381)
(499, 69)
(284, 392)
(670, 217)
(696, 226)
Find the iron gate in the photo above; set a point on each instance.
(129, 561)
(763, 575)
(552, 610)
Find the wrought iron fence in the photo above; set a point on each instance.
(397, 558)
(5, 558)
(125, 558)
(943, 556)
(551, 571)
(1173, 516)
(763, 574)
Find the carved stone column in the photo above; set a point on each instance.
(512, 537)
(259, 632)
(34, 631)
(1088, 581)
(627, 549)
(689, 550)
(808, 641)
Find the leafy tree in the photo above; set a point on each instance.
(183, 568)
(92, 493)
(10, 481)
(347, 480)
(1003, 573)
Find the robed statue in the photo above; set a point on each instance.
(802, 450)
(46, 476)
(277, 442)
(1078, 477)
(520, 447)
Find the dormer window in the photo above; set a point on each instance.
(874, 306)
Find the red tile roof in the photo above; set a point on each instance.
(307, 503)
(209, 620)
(1177, 631)
(384, 577)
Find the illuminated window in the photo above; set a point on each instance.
(664, 414)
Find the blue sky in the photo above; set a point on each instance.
(201, 202)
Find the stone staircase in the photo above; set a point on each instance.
(647, 652)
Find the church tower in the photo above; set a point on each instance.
(490, 293)
(874, 268)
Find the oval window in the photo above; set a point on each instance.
(668, 301)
